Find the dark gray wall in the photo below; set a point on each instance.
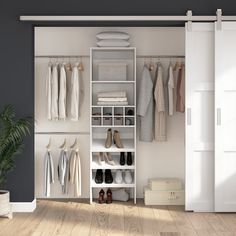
(16, 56)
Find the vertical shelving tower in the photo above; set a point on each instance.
(122, 63)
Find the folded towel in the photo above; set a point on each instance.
(112, 103)
(112, 99)
(115, 94)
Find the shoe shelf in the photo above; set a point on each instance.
(98, 146)
(113, 185)
(112, 69)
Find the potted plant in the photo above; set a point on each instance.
(12, 133)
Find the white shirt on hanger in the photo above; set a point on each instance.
(49, 91)
(54, 106)
(75, 93)
(171, 87)
(62, 93)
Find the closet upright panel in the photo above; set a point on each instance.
(225, 124)
(199, 117)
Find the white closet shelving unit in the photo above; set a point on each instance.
(114, 117)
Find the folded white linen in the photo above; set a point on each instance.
(112, 99)
(112, 103)
(113, 43)
(112, 35)
(114, 94)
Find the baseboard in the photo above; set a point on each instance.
(23, 206)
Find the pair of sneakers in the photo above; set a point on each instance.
(123, 176)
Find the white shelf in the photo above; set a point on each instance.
(98, 145)
(113, 106)
(114, 126)
(113, 82)
(96, 166)
(113, 185)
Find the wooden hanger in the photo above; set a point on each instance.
(64, 145)
(49, 145)
(75, 145)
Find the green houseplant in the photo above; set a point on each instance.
(12, 133)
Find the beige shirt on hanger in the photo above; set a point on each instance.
(49, 92)
(62, 93)
(54, 104)
(160, 113)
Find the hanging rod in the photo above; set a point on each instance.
(83, 56)
(63, 133)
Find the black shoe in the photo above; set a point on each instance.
(99, 176)
(108, 176)
(122, 158)
(129, 159)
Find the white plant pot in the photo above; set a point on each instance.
(5, 207)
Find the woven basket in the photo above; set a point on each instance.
(5, 207)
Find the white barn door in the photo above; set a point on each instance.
(225, 112)
(200, 117)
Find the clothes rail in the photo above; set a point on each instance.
(63, 133)
(83, 56)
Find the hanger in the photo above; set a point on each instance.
(177, 65)
(49, 145)
(64, 145)
(75, 145)
(151, 66)
(81, 66)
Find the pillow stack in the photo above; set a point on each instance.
(113, 39)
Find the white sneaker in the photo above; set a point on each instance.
(118, 177)
(128, 177)
(101, 160)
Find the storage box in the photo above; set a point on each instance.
(112, 71)
(118, 121)
(175, 197)
(162, 184)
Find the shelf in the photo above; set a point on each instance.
(113, 185)
(98, 146)
(113, 126)
(113, 82)
(113, 106)
(96, 166)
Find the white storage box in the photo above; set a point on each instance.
(112, 71)
(163, 184)
(175, 197)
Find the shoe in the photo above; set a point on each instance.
(129, 159)
(117, 140)
(108, 176)
(122, 158)
(118, 177)
(101, 197)
(128, 177)
(109, 197)
(108, 142)
(130, 112)
(109, 159)
(101, 160)
(99, 176)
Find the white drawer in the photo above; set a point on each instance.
(165, 184)
(163, 197)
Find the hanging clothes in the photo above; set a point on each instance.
(49, 91)
(160, 111)
(180, 103)
(171, 88)
(145, 106)
(63, 172)
(75, 93)
(75, 172)
(62, 93)
(54, 99)
(48, 173)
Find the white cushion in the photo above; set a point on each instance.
(113, 43)
(113, 35)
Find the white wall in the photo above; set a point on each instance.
(153, 159)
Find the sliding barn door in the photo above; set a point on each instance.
(225, 112)
(200, 117)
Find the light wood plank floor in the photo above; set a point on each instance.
(60, 218)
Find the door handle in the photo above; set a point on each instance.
(218, 116)
(189, 116)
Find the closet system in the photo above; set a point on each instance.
(210, 116)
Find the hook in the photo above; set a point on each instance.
(64, 145)
(49, 144)
(75, 145)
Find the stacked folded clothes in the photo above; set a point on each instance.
(112, 98)
(113, 39)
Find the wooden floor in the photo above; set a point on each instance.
(81, 219)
